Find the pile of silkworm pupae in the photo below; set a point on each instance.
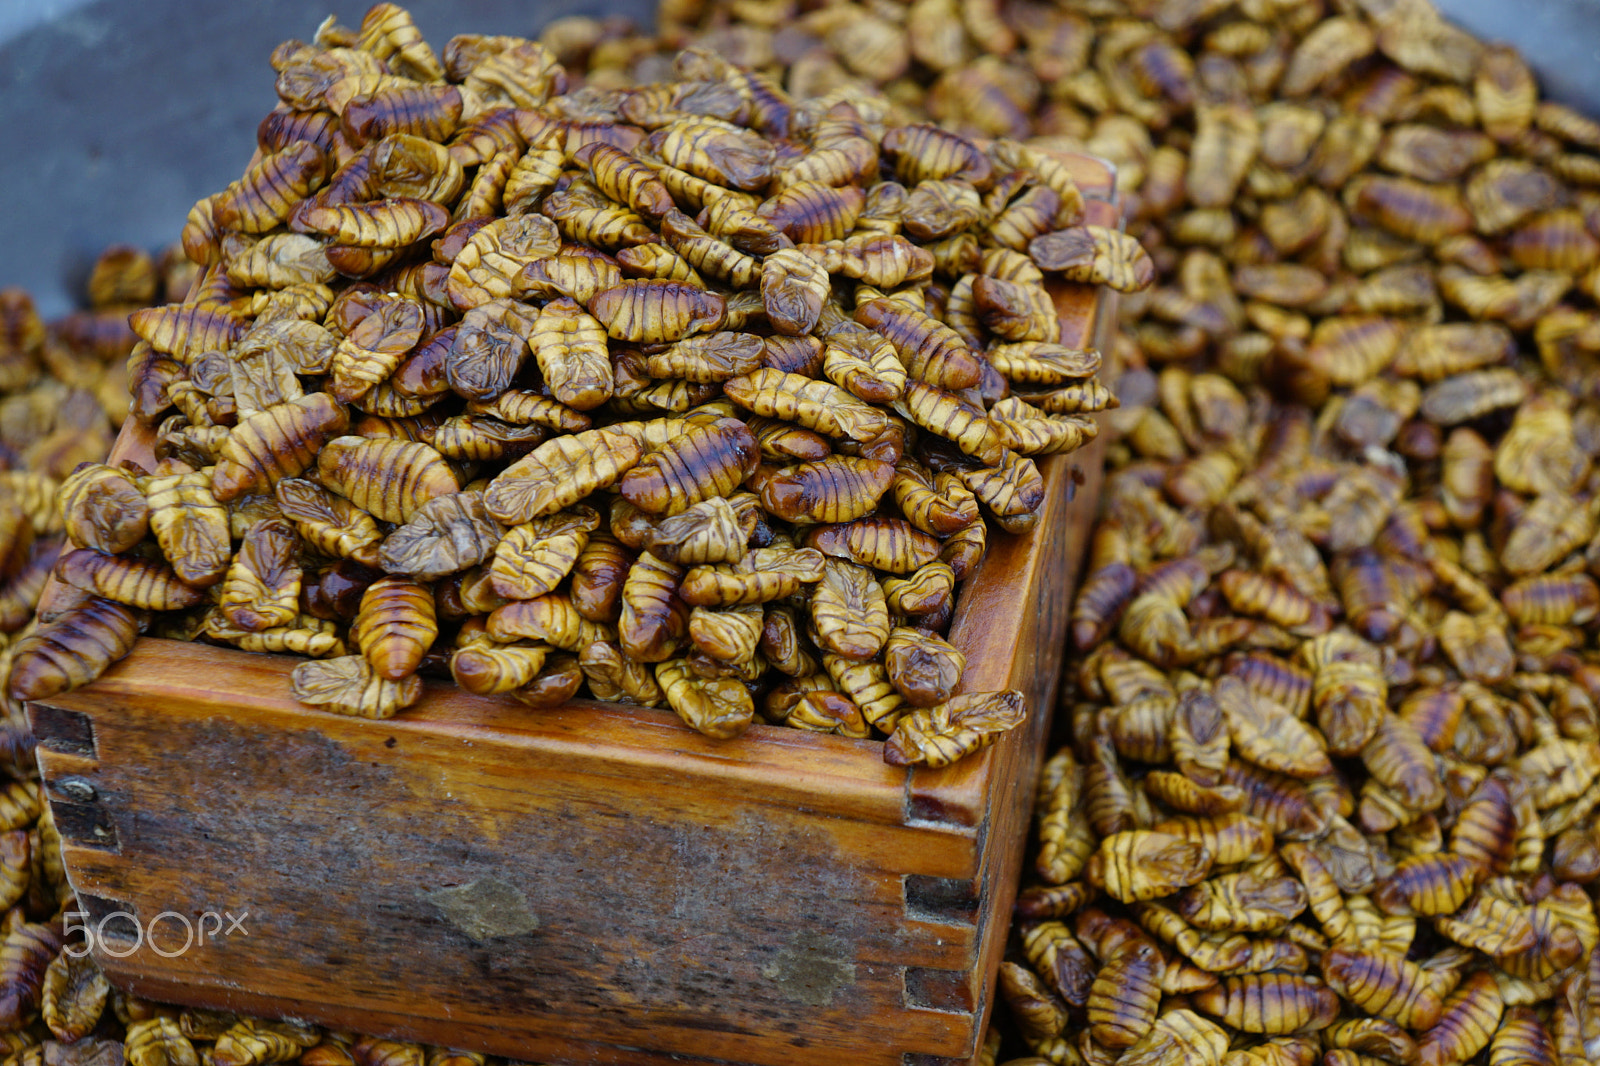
(1330, 794)
(692, 394)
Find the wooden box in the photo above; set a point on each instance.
(594, 884)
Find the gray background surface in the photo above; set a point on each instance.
(120, 114)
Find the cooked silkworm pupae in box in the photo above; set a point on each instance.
(694, 397)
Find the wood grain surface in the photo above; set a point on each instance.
(595, 883)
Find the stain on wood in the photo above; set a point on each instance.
(594, 883)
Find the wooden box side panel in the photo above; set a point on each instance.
(450, 888)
